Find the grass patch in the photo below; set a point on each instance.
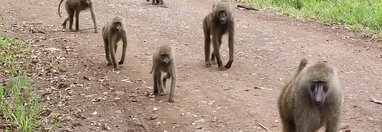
(19, 105)
(360, 15)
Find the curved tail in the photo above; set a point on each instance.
(302, 64)
(59, 5)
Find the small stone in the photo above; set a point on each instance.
(118, 112)
(156, 108)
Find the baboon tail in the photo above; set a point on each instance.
(59, 5)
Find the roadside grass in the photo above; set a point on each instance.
(20, 107)
(359, 15)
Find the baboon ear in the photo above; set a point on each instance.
(213, 6)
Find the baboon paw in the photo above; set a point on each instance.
(227, 66)
(109, 63)
(121, 62)
(222, 68)
(208, 64)
(95, 31)
(171, 100)
(116, 69)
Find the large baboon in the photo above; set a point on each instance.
(164, 62)
(76, 6)
(312, 99)
(113, 32)
(216, 24)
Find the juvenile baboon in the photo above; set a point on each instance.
(76, 6)
(312, 99)
(113, 32)
(156, 2)
(216, 24)
(164, 62)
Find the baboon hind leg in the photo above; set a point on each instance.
(213, 57)
(168, 76)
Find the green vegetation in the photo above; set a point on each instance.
(19, 105)
(362, 15)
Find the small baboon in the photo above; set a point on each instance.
(113, 32)
(156, 2)
(216, 24)
(76, 6)
(164, 61)
(312, 99)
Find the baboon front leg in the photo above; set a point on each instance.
(124, 46)
(107, 52)
(93, 18)
(112, 52)
(215, 44)
(332, 125)
(77, 20)
(155, 79)
(172, 89)
(71, 16)
(207, 48)
(231, 48)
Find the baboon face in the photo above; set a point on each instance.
(86, 2)
(117, 26)
(318, 90)
(221, 17)
(165, 59)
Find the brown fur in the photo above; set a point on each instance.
(168, 68)
(113, 32)
(298, 112)
(74, 7)
(213, 27)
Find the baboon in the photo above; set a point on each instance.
(216, 24)
(76, 6)
(113, 32)
(156, 2)
(164, 62)
(312, 99)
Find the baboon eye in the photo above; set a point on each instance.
(325, 88)
(312, 87)
(222, 13)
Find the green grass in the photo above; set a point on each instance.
(19, 105)
(360, 15)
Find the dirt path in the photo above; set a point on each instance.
(71, 72)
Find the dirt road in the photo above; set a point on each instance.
(84, 94)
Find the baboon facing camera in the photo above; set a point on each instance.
(164, 63)
(312, 99)
(215, 25)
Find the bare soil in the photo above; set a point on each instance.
(69, 68)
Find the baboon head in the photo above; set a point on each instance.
(318, 82)
(221, 13)
(165, 55)
(164, 58)
(117, 24)
(86, 2)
